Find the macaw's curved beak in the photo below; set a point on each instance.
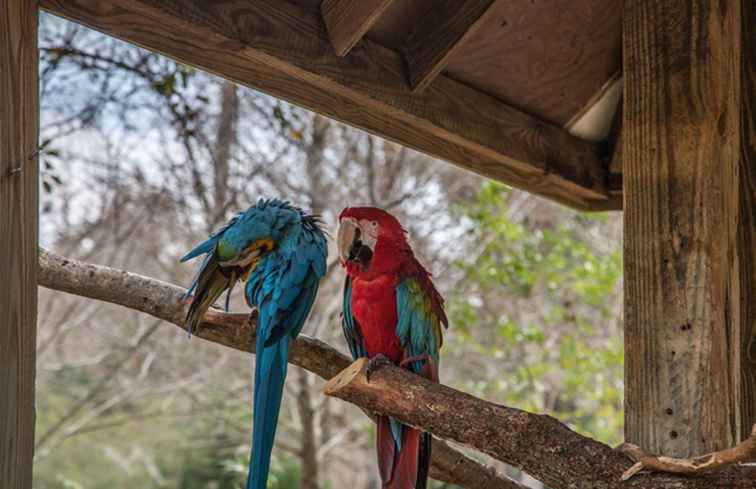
(351, 247)
(212, 281)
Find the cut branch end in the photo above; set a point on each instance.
(345, 377)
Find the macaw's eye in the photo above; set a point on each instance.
(374, 224)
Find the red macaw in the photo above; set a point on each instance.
(391, 308)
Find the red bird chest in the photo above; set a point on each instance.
(374, 308)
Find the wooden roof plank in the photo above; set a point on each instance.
(432, 42)
(283, 50)
(347, 21)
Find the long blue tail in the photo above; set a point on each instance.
(270, 373)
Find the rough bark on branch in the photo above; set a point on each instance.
(538, 444)
(163, 300)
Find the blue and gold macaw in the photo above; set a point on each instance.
(281, 253)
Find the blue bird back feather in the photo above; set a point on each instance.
(284, 289)
(282, 286)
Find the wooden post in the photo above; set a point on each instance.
(747, 228)
(688, 176)
(19, 122)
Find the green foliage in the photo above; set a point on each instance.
(543, 301)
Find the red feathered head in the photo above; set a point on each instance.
(370, 239)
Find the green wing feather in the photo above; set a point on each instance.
(420, 319)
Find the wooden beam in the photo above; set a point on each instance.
(19, 122)
(429, 46)
(348, 21)
(614, 152)
(689, 204)
(283, 50)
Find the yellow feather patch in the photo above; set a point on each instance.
(266, 245)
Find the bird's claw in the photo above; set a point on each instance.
(374, 364)
(417, 358)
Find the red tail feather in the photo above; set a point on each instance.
(407, 469)
(386, 449)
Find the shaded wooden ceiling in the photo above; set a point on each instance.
(550, 58)
(522, 91)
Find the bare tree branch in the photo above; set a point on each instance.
(165, 301)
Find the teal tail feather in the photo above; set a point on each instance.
(270, 373)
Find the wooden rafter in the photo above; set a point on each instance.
(283, 50)
(614, 150)
(430, 45)
(348, 21)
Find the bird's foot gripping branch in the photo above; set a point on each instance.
(538, 444)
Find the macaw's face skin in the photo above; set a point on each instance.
(370, 241)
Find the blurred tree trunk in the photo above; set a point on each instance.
(326, 428)
(308, 450)
(224, 142)
(319, 186)
(318, 202)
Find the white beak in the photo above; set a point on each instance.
(348, 228)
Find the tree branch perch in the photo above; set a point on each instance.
(165, 301)
(537, 444)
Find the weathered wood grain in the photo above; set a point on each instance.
(537, 444)
(548, 58)
(747, 228)
(348, 20)
(683, 192)
(283, 49)
(614, 155)
(433, 41)
(165, 301)
(19, 119)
